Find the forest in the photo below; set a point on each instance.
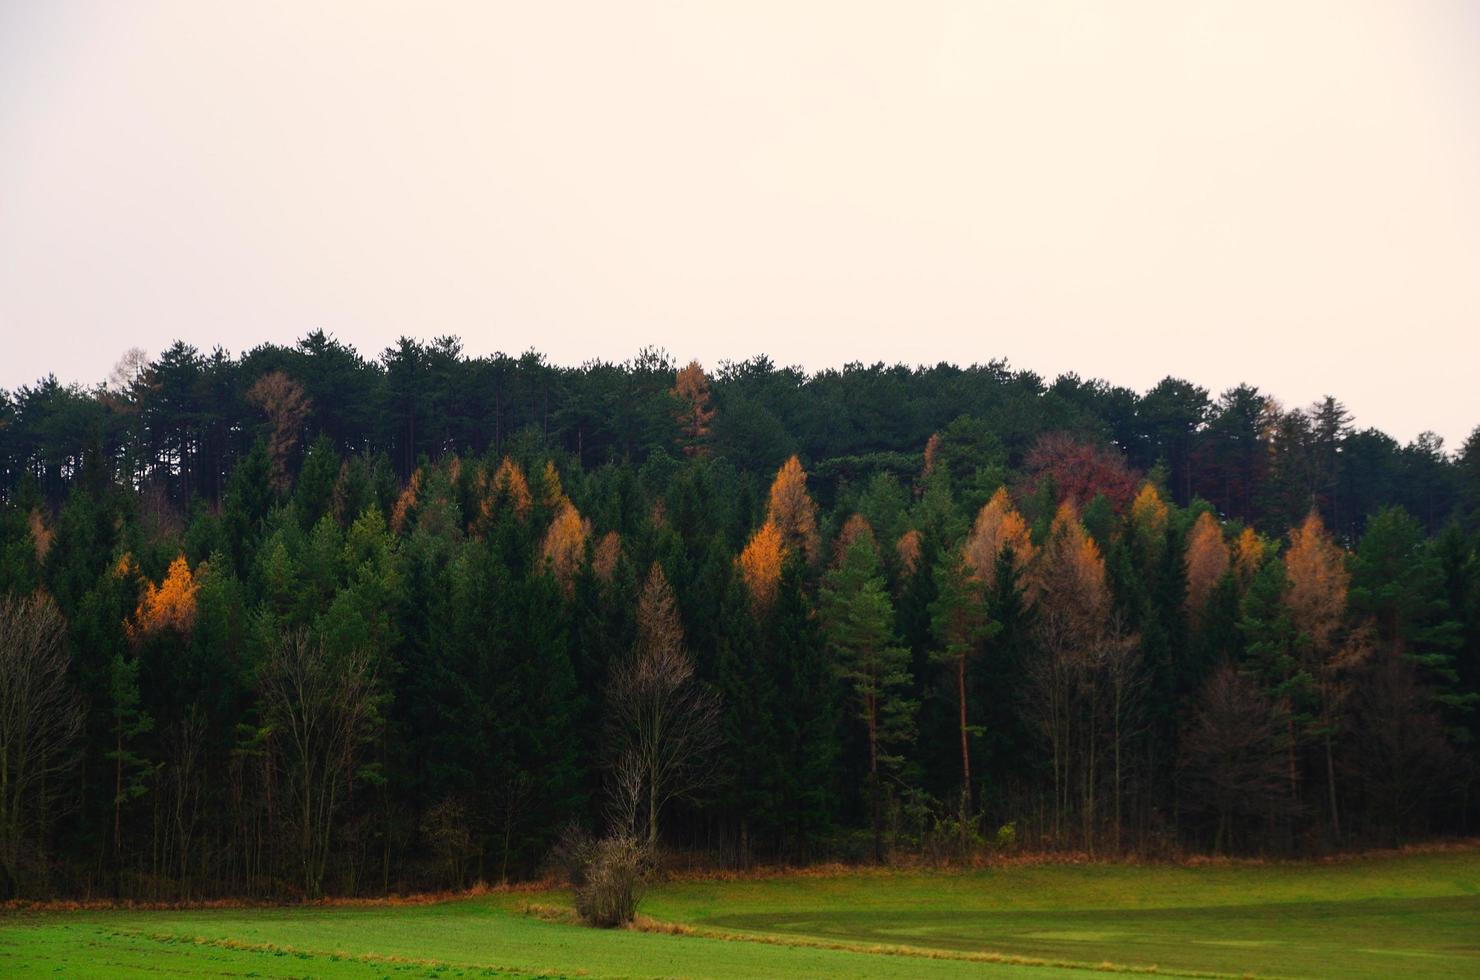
(303, 622)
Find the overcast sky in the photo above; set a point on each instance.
(1286, 193)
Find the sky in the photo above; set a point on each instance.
(1284, 193)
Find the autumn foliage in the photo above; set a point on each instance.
(606, 555)
(405, 501)
(1080, 471)
(286, 406)
(552, 493)
(909, 549)
(564, 546)
(170, 605)
(760, 565)
(1248, 554)
(1149, 516)
(691, 390)
(1071, 573)
(1207, 560)
(1316, 568)
(792, 510)
(855, 527)
(508, 487)
(998, 526)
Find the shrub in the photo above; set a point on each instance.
(607, 875)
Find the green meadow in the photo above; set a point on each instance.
(1412, 916)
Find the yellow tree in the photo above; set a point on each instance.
(508, 487)
(1149, 519)
(564, 547)
(1248, 555)
(170, 605)
(1315, 566)
(1079, 644)
(760, 565)
(998, 528)
(552, 494)
(691, 391)
(1206, 560)
(792, 510)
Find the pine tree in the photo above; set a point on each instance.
(859, 622)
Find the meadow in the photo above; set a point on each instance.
(1417, 915)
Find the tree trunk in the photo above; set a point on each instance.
(965, 745)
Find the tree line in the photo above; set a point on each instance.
(301, 622)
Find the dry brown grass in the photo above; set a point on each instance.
(759, 873)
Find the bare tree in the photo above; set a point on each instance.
(320, 709)
(40, 719)
(1399, 754)
(663, 724)
(1233, 755)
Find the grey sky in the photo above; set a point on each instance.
(1286, 193)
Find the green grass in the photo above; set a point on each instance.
(1412, 916)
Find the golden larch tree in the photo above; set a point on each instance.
(932, 453)
(1149, 518)
(405, 501)
(564, 546)
(508, 487)
(792, 510)
(170, 605)
(693, 415)
(1248, 555)
(604, 558)
(1315, 566)
(760, 565)
(998, 527)
(854, 527)
(1206, 560)
(909, 548)
(41, 535)
(552, 493)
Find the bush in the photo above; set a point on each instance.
(607, 875)
(1006, 836)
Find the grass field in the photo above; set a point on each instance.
(1414, 916)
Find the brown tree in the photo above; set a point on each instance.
(282, 400)
(691, 391)
(320, 709)
(40, 720)
(1232, 764)
(908, 549)
(604, 557)
(663, 725)
(855, 527)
